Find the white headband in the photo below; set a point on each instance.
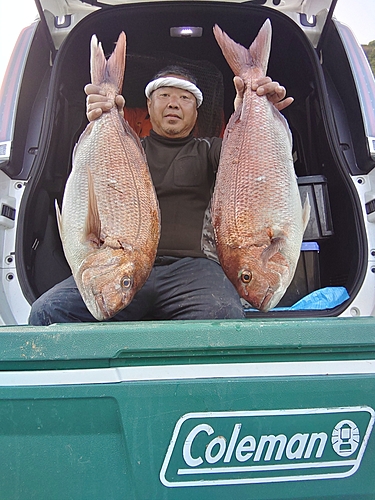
(170, 81)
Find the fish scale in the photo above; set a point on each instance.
(129, 204)
(252, 173)
(110, 221)
(256, 210)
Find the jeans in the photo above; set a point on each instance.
(177, 288)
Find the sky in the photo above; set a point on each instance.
(16, 14)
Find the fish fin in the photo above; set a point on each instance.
(235, 54)
(111, 71)
(93, 225)
(275, 246)
(261, 47)
(306, 212)
(130, 131)
(284, 122)
(240, 58)
(236, 116)
(98, 61)
(58, 218)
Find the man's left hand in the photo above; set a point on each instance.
(264, 86)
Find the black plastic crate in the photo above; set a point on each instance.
(320, 224)
(307, 276)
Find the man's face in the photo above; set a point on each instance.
(173, 112)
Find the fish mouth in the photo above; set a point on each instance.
(271, 299)
(101, 308)
(265, 305)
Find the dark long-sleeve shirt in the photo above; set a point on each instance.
(183, 172)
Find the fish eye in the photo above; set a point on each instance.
(126, 282)
(246, 276)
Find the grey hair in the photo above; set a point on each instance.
(176, 70)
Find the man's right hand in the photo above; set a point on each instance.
(98, 103)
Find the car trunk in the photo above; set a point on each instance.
(325, 119)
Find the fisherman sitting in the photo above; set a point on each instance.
(186, 281)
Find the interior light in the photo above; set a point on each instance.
(186, 31)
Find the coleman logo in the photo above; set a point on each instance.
(218, 448)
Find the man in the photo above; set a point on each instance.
(186, 281)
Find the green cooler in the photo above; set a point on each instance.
(255, 409)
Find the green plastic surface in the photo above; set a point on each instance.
(70, 431)
(169, 341)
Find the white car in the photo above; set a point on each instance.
(42, 109)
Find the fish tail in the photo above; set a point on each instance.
(238, 57)
(111, 70)
(97, 62)
(261, 46)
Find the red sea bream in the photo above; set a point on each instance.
(109, 223)
(257, 214)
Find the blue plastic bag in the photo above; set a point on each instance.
(324, 298)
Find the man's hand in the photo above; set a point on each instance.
(264, 86)
(98, 103)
